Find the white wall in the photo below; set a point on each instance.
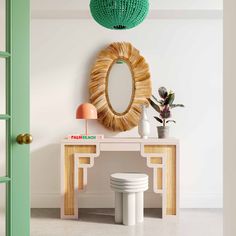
(229, 118)
(184, 55)
(154, 4)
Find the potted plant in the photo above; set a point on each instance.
(163, 106)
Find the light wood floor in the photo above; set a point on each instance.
(100, 222)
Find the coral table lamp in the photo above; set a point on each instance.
(86, 111)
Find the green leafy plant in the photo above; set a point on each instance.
(164, 105)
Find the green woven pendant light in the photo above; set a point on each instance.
(119, 14)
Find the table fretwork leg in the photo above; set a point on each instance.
(76, 160)
(69, 194)
(153, 153)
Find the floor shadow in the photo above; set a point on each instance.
(45, 213)
(104, 216)
(153, 213)
(98, 215)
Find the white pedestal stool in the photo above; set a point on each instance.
(129, 189)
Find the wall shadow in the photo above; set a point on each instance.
(45, 170)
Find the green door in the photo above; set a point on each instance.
(14, 118)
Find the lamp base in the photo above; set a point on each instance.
(86, 127)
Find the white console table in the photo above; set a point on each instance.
(77, 156)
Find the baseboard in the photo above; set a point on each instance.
(106, 200)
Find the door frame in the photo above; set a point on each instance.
(16, 56)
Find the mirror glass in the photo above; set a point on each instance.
(120, 86)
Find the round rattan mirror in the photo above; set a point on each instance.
(98, 86)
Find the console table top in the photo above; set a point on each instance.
(169, 141)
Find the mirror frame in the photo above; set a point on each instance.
(98, 86)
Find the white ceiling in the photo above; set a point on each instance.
(64, 5)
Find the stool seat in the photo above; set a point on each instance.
(129, 177)
(129, 189)
(129, 183)
(115, 183)
(136, 186)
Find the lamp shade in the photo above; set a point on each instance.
(86, 111)
(119, 14)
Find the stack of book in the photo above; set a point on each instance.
(85, 137)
